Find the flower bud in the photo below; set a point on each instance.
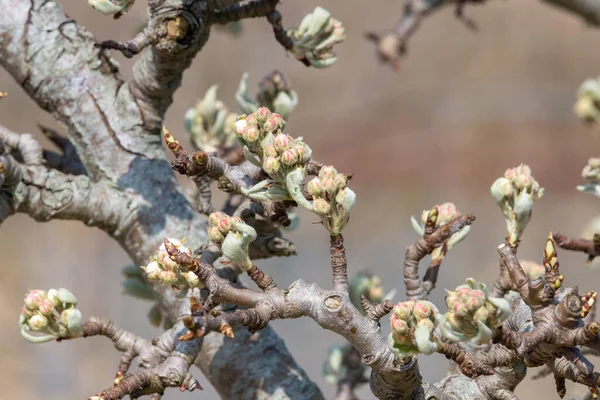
(446, 213)
(399, 326)
(282, 142)
(346, 198)
(270, 151)
(38, 323)
(191, 279)
(25, 311)
(300, 149)
(289, 157)
(152, 271)
(53, 296)
(34, 299)
(340, 181)
(321, 206)
(168, 277)
(263, 114)
(427, 323)
(215, 235)
(251, 134)
(460, 309)
(224, 225)
(273, 123)
(215, 217)
(315, 187)
(451, 299)
(423, 309)
(327, 172)
(46, 308)
(271, 165)
(501, 189)
(240, 126)
(252, 120)
(329, 185)
(403, 310)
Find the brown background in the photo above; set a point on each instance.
(464, 108)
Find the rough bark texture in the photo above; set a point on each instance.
(116, 136)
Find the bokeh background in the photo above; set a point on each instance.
(463, 109)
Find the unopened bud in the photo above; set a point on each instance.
(224, 225)
(315, 187)
(240, 126)
(271, 165)
(482, 314)
(460, 309)
(152, 271)
(403, 310)
(274, 123)
(423, 309)
(38, 323)
(399, 326)
(168, 277)
(34, 299)
(327, 172)
(215, 235)
(289, 157)
(191, 279)
(270, 151)
(300, 149)
(251, 134)
(263, 114)
(215, 217)
(46, 308)
(281, 142)
(321, 206)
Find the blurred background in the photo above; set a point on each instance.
(464, 108)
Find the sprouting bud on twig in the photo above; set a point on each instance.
(515, 193)
(163, 268)
(444, 213)
(237, 236)
(51, 315)
(274, 94)
(210, 124)
(315, 38)
(412, 325)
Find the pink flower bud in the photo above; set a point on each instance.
(46, 308)
(327, 172)
(403, 310)
(451, 299)
(321, 206)
(26, 311)
(215, 235)
(423, 309)
(315, 187)
(271, 166)
(252, 120)
(446, 212)
(399, 326)
(329, 185)
(282, 142)
(273, 123)
(168, 277)
(289, 157)
(270, 151)
(34, 299)
(38, 323)
(215, 217)
(152, 271)
(301, 151)
(263, 114)
(251, 134)
(460, 309)
(224, 224)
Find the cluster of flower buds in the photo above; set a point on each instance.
(440, 215)
(315, 38)
(413, 324)
(51, 315)
(164, 269)
(335, 368)
(210, 124)
(369, 285)
(472, 316)
(332, 200)
(274, 93)
(282, 157)
(234, 236)
(591, 172)
(515, 194)
(116, 8)
(587, 106)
